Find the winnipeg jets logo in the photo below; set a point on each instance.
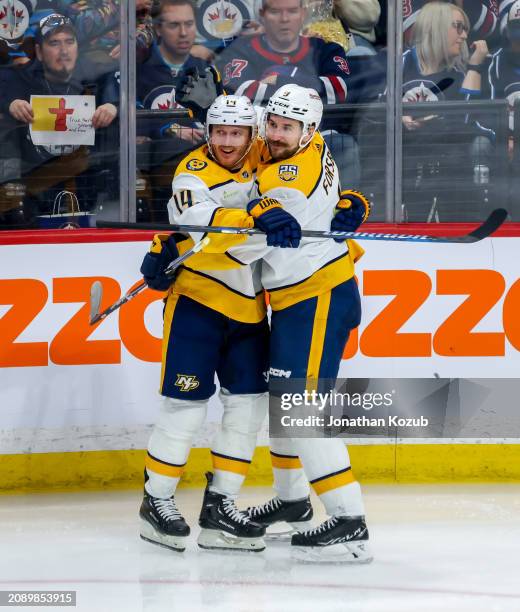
(221, 19)
(161, 98)
(420, 93)
(186, 382)
(14, 19)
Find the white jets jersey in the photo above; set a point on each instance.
(204, 193)
(307, 186)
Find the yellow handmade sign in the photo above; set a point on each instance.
(63, 120)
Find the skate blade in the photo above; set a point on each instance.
(286, 531)
(352, 552)
(149, 534)
(211, 539)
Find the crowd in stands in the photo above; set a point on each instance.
(455, 50)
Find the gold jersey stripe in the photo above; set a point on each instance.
(164, 469)
(217, 296)
(220, 243)
(228, 464)
(282, 462)
(208, 261)
(334, 481)
(319, 330)
(324, 279)
(171, 303)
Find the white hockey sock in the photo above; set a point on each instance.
(290, 481)
(170, 443)
(235, 442)
(327, 466)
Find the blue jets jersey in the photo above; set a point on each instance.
(504, 79)
(315, 63)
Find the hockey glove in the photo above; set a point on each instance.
(163, 251)
(197, 90)
(281, 228)
(351, 211)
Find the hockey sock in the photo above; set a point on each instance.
(235, 442)
(327, 466)
(170, 444)
(290, 481)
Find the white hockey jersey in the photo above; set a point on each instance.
(204, 193)
(307, 186)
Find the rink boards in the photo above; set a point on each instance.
(77, 404)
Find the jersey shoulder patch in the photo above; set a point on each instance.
(200, 166)
(196, 165)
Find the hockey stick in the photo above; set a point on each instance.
(490, 225)
(96, 291)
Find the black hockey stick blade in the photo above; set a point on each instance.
(489, 227)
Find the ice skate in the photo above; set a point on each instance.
(282, 518)
(162, 523)
(225, 527)
(340, 539)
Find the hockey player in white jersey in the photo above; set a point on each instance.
(214, 323)
(315, 303)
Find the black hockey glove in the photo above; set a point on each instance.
(281, 228)
(197, 90)
(163, 251)
(351, 211)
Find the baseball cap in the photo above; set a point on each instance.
(513, 21)
(51, 23)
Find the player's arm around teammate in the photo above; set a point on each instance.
(315, 303)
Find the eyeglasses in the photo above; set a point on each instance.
(460, 26)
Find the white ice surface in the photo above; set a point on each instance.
(437, 549)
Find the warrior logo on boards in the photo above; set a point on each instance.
(288, 172)
(186, 382)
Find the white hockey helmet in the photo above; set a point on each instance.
(231, 110)
(295, 102)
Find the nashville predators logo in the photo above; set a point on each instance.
(196, 164)
(186, 383)
(288, 172)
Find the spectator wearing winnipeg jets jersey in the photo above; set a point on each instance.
(482, 15)
(163, 142)
(504, 81)
(256, 66)
(440, 68)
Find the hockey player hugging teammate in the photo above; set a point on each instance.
(315, 303)
(214, 322)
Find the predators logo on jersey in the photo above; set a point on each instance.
(196, 164)
(186, 382)
(288, 172)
